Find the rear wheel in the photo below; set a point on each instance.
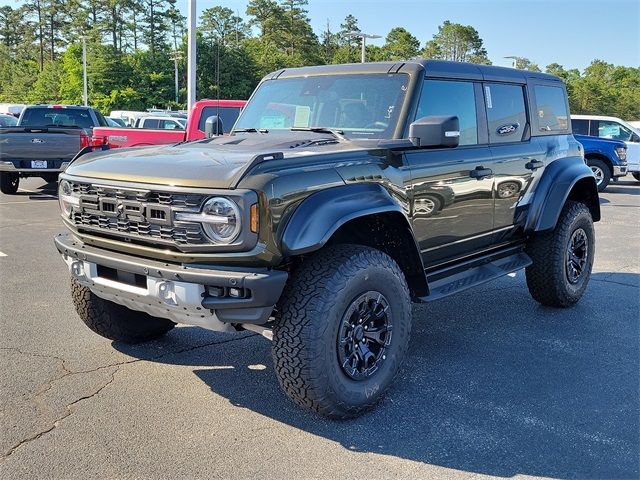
(601, 172)
(114, 321)
(9, 183)
(562, 258)
(342, 329)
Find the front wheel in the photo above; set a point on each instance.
(114, 321)
(636, 175)
(562, 258)
(342, 329)
(9, 183)
(601, 172)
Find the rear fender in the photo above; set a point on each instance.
(564, 179)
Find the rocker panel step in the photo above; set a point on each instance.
(445, 286)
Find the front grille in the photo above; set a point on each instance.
(144, 216)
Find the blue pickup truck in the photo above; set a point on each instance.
(607, 158)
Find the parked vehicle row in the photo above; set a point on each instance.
(221, 114)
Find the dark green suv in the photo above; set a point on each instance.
(344, 193)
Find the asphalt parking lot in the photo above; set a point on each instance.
(494, 384)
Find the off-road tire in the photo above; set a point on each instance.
(114, 321)
(308, 316)
(9, 183)
(547, 276)
(636, 175)
(604, 168)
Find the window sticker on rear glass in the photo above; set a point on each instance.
(303, 113)
(487, 91)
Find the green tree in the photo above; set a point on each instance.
(400, 45)
(458, 43)
(222, 25)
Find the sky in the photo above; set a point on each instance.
(569, 32)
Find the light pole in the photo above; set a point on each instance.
(85, 94)
(191, 54)
(176, 55)
(364, 37)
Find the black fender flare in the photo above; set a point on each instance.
(556, 184)
(321, 214)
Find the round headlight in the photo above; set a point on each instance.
(65, 194)
(224, 224)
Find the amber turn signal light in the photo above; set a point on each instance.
(254, 218)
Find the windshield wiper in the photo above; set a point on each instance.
(250, 130)
(339, 134)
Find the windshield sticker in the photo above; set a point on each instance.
(272, 121)
(487, 91)
(303, 113)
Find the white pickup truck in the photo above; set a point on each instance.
(612, 128)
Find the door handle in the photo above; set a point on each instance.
(480, 172)
(534, 164)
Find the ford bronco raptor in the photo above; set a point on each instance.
(343, 194)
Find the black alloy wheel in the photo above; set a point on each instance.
(577, 255)
(364, 335)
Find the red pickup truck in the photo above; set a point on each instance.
(226, 110)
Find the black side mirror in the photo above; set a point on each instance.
(635, 138)
(213, 126)
(435, 131)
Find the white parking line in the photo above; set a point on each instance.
(3, 254)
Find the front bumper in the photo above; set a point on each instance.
(619, 171)
(178, 292)
(19, 166)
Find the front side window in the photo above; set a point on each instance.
(506, 112)
(443, 97)
(552, 109)
(360, 105)
(613, 130)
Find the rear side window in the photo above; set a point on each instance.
(580, 127)
(442, 97)
(553, 115)
(56, 117)
(150, 123)
(506, 112)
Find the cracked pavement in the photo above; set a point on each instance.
(494, 384)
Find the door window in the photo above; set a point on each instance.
(613, 130)
(444, 97)
(506, 112)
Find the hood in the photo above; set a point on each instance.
(212, 163)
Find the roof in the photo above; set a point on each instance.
(431, 68)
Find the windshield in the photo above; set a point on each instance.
(361, 106)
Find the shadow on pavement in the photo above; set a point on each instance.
(630, 187)
(494, 383)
